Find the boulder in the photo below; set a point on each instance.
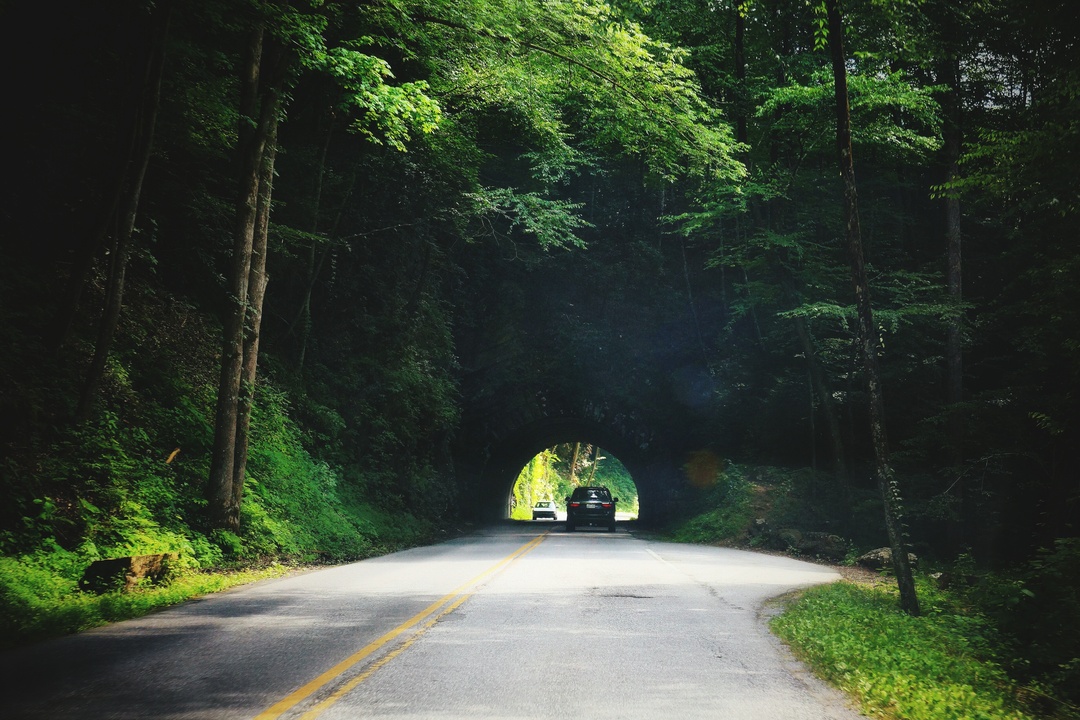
(881, 559)
(125, 573)
(791, 537)
(823, 545)
(813, 544)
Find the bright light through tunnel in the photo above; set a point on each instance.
(549, 478)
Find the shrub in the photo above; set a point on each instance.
(1037, 607)
(729, 512)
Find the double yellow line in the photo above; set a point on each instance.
(424, 620)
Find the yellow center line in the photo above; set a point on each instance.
(458, 596)
(348, 687)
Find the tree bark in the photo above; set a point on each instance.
(740, 72)
(140, 148)
(257, 281)
(693, 308)
(868, 336)
(953, 241)
(823, 390)
(595, 463)
(259, 106)
(316, 259)
(313, 266)
(573, 462)
(954, 393)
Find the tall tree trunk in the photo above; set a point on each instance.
(954, 394)
(823, 391)
(821, 388)
(313, 266)
(316, 259)
(257, 281)
(954, 342)
(140, 148)
(81, 263)
(869, 340)
(693, 308)
(259, 105)
(573, 462)
(108, 222)
(741, 8)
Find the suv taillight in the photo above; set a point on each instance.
(606, 505)
(575, 504)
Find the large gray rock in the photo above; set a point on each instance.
(813, 544)
(824, 545)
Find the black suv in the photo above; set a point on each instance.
(590, 506)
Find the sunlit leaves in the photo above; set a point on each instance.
(890, 114)
(392, 110)
(1025, 163)
(554, 223)
(579, 69)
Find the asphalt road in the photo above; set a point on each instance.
(516, 621)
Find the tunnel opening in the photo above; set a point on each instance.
(544, 484)
(654, 474)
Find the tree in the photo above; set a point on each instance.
(118, 222)
(263, 75)
(574, 461)
(868, 336)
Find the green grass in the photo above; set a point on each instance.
(940, 666)
(36, 604)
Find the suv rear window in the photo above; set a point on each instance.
(591, 493)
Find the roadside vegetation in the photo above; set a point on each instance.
(993, 644)
(39, 602)
(960, 659)
(131, 480)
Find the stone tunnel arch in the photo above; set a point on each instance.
(653, 475)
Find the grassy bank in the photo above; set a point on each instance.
(38, 604)
(41, 597)
(949, 664)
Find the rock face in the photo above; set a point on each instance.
(881, 559)
(124, 573)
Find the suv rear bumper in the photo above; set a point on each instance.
(579, 517)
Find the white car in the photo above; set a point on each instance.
(545, 509)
